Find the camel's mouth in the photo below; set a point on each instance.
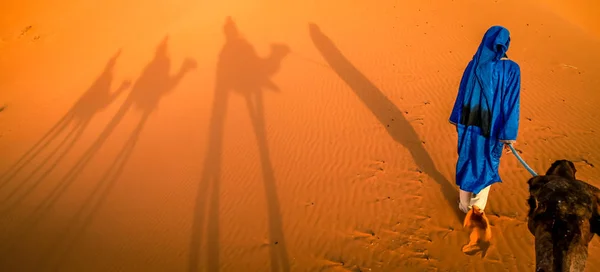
(280, 49)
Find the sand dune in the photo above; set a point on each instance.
(273, 136)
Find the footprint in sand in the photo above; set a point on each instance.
(25, 30)
(372, 172)
(308, 204)
(363, 234)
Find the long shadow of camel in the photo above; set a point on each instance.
(239, 69)
(153, 84)
(93, 101)
(384, 109)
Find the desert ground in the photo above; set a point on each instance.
(273, 135)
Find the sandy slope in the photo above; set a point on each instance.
(228, 153)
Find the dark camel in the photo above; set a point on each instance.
(563, 217)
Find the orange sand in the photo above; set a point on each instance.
(335, 157)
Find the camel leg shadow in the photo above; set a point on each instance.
(277, 246)
(82, 219)
(35, 150)
(72, 138)
(208, 191)
(50, 200)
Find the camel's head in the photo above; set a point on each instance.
(563, 168)
(279, 50)
(560, 211)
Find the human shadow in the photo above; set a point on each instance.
(74, 123)
(241, 70)
(384, 109)
(152, 85)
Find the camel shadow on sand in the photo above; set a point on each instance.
(97, 98)
(51, 149)
(384, 109)
(154, 83)
(242, 71)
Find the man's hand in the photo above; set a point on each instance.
(506, 147)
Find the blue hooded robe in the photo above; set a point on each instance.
(486, 111)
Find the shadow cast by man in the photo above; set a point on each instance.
(241, 70)
(97, 98)
(384, 109)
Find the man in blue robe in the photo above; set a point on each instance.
(486, 116)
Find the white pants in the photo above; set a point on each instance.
(468, 199)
